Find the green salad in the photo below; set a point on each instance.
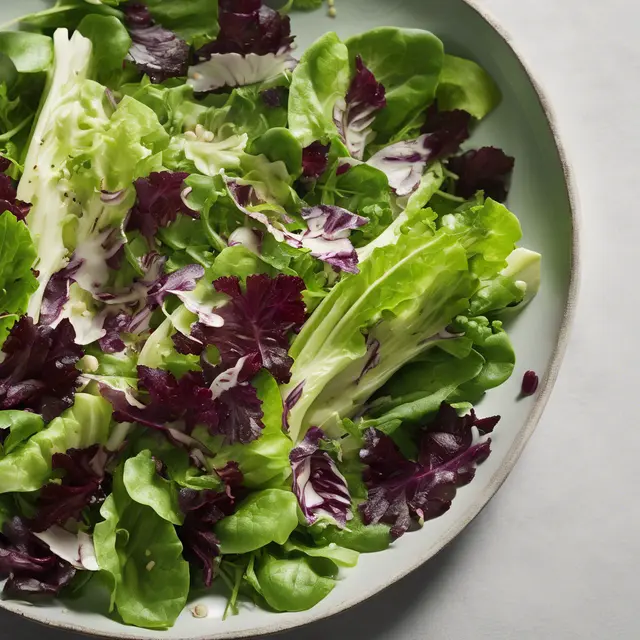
(249, 298)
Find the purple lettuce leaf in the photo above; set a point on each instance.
(56, 293)
(403, 163)
(156, 51)
(114, 326)
(487, 169)
(176, 407)
(447, 130)
(248, 26)
(401, 490)
(188, 399)
(9, 198)
(320, 488)
(39, 371)
(315, 160)
(203, 510)
(33, 571)
(159, 202)
(80, 487)
(355, 115)
(257, 322)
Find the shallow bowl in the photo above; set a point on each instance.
(543, 198)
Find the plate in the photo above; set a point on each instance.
(543, 198)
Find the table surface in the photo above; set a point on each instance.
(554, 555)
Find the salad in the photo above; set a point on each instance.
(248, 300)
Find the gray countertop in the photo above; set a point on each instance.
(554, 555)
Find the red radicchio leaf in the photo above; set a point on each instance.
(327, 235)
(315, 160)
(487, 169)
(159, 202)
(400, 489)
(143, 298)
(8, 198)
(5, 164)
(248, 26)
(355, 115)
(81, 486)
(257, 322)
(203, 510)
(32, 569)
(39, 372)
(404, 163)
(156, 51)
(320, 488)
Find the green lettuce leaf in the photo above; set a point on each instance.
(111, 43)
(317, 83)
(406, 294)
(408, 62)
(356, 535)
(146, 487)
(141, 554)
(416, 273)
(29, 52)
(244, 112)
(80, 147)
(341, 556)
(28, 466)
(466, 85)
(291, 584)
(22, 425)
(264, 517)
(17, 282)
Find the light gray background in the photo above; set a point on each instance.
(556, 554)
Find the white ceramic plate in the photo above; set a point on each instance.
(542, 196)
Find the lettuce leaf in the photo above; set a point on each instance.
(141, 554)
(318, 82)
(28, 467)
(465, 85)
(403, 299)
(408, 63)
(17, 282)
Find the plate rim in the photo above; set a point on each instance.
(546, 387)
